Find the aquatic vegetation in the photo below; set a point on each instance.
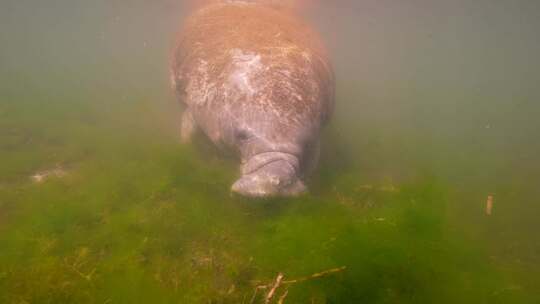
(126, 214)
(149, 220)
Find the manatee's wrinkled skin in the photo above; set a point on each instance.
(256, 79)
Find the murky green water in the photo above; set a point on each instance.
(437, 110)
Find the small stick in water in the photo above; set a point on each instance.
(272, 291)
(283, 296)
(489, 204)
(279, 281)
(316, 275)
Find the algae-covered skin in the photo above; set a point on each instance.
(256, 79)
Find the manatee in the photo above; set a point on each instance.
(257, 80)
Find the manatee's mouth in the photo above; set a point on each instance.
(270, 174)
(263, 159)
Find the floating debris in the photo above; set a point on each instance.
(41, 176)
(489, 204)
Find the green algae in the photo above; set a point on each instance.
(139, 218)
(433, 115)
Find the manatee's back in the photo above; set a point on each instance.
(238, 56)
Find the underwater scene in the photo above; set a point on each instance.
(427, 189)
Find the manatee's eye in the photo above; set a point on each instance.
(242, 135)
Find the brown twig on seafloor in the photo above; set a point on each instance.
(316, 275)
(255, 293)
(283, 296)
(279, 282)
(272, 291)
(87, 277)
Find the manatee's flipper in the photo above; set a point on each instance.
(188, 126)
(311, 160)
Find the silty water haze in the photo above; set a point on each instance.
(436, 123)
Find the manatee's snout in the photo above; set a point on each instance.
(270, 175)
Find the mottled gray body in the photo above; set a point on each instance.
(256, 79)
